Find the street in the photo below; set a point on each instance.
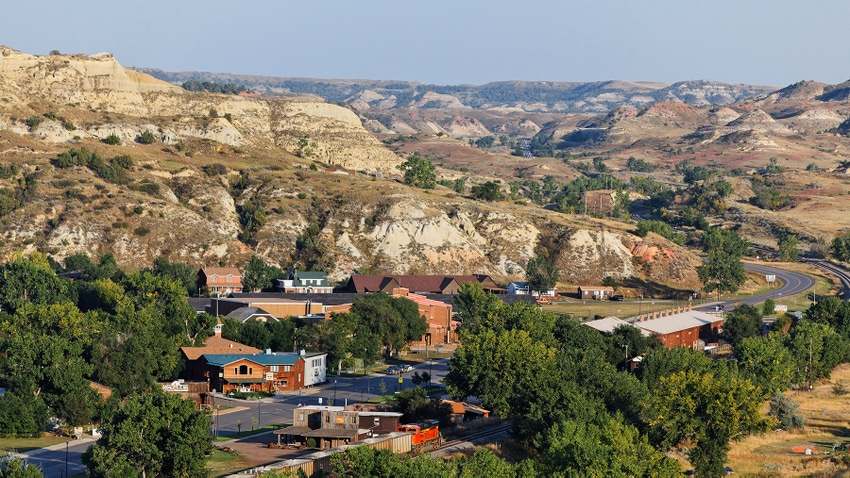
(340, 391)
(274, 410)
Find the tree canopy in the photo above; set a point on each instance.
(154, 434)
(419, 172)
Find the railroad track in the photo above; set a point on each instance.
(842, 274)
(497, 430)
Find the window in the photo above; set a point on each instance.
(243, 370)
(213, 278)
(274, 368)
(286, 368)
(229, 278)
(235, 370)
(377, 421)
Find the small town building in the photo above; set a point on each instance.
(521, 288)
(322, 427)
(269, 372)
(595, 292)
(609, 324)
(275, 307)
(220, 280)
(305, 283)
(418, 284)
(682, 327)
(216, 344)
(464, 412)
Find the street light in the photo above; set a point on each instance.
(259, 404)
(334, 392)
(66, 456)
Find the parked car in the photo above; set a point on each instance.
(392, 370)
(619, 297)
(405, 368)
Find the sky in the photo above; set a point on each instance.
(757, 42)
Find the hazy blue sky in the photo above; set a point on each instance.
(763, 42)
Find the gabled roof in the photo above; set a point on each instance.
(221, 271)
(311, 275)
(244, 313)
(415, 283)
(678, 322)
(218, 345)
(221, 360)
(596, 287)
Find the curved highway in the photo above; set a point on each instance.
(792, 283)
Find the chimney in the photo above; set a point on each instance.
(217, 328)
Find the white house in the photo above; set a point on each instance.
(521, 288)
(305, 283)
(315, 368)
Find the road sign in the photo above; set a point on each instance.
(400, 380)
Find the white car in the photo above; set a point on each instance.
(405, 368)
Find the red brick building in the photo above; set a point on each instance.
(681, 327)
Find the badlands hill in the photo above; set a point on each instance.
(212, 179)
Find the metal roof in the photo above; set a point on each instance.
(678, 322)
(609, 324)
(277, 358)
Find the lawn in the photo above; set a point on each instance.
(246, 433)
(22, 445)
(225, 463)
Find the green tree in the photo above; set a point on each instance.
(785, 411)
(419, 172)
(723, 270)
(472, 306)
(766, 362)
(706, 410)
(744, 321)
(256, 275)
(29, 280)
(17, 468)
(181, 272)
(112, 139)
(489, 191)
(840, 248)
(541, 274)
(147, 137)
(155, 434)
(816, 349)
(603, 447)
(788, 248)
(769, 307)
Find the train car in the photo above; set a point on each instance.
(424, 435)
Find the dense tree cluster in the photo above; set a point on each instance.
(570, 403)
(122, 330)
(113, 170)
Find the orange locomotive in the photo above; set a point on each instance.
(426, 435)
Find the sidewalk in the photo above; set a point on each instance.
(56, 447)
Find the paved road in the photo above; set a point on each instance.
(278, 409)
(337, 391)
(52, 462)
(791, 283)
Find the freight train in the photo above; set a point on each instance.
(425, 435)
